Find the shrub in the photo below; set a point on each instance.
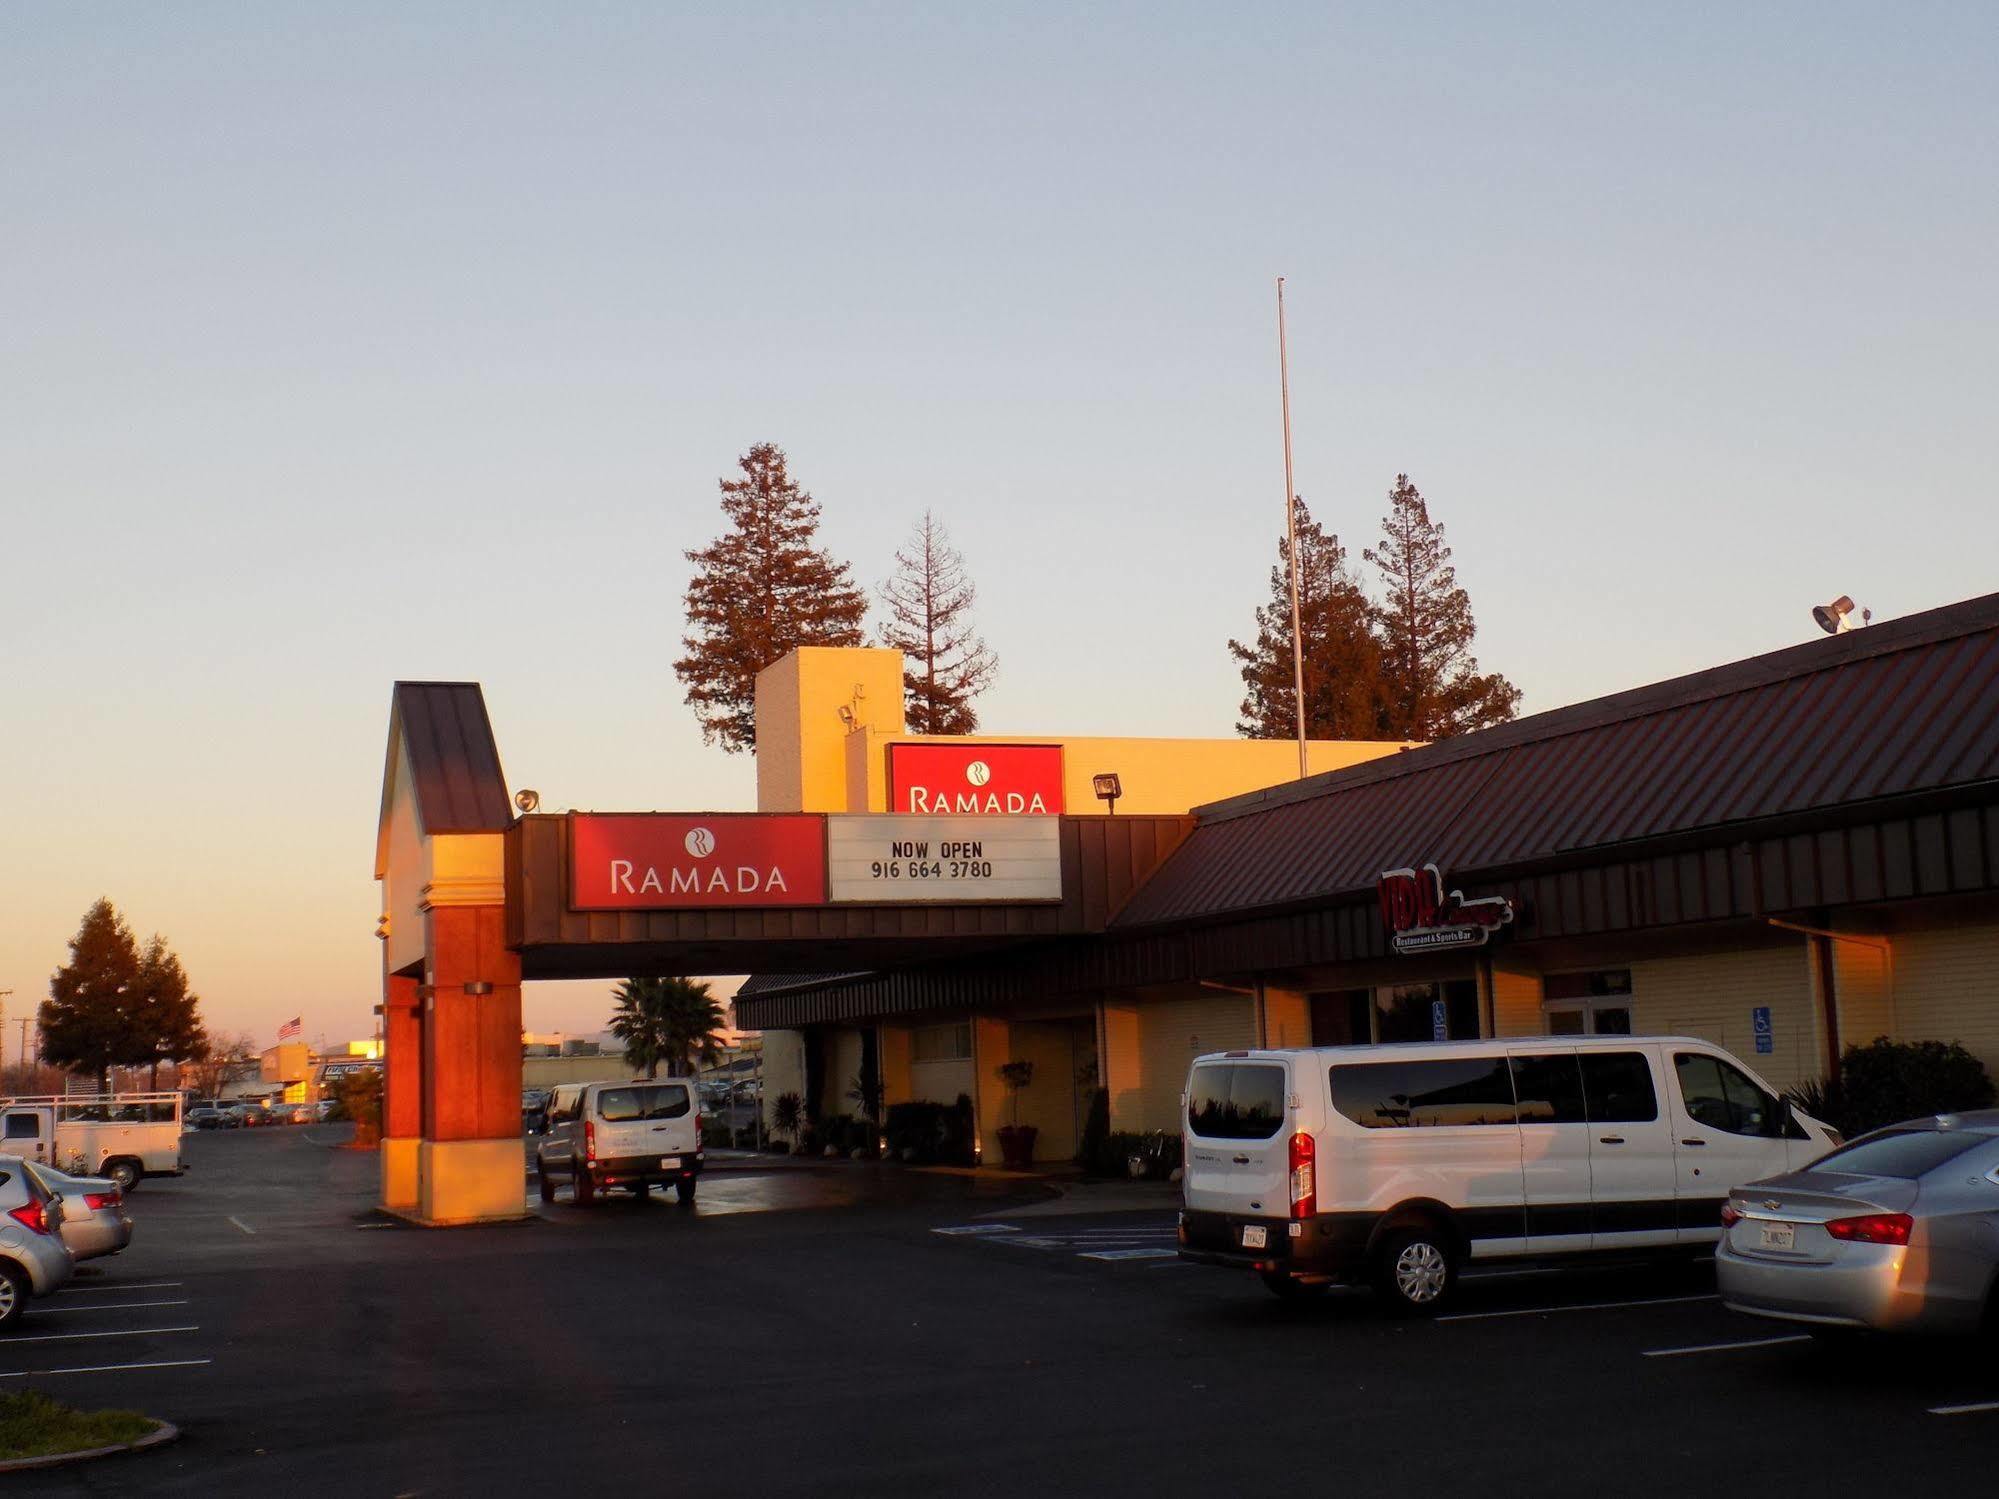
(360, 1099)
(936, 1133)
(1160, 1154)
(1096, 1127)
(1887, 1081)
(716, 1135)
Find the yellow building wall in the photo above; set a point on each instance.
(1172, 1031)
(895, 1064)
(1947, 989)
(843, 1065)
(801, 731)
(1121, 1061)
(1863, 981)
(1516, 1004)
(1287, 1018)
(1711, 996)
(992, 1044)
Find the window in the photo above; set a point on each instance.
(1617, 1087)
(1236, 1102)
(669, 1101)
(1340, 1018)
(1407, 1012)
(621, 1105)
(1905, 1153)
(1720, 1097)
(1604, 981)
(942, 1043)
(1550, 1089)
(1420, 1094)
(24, 1127)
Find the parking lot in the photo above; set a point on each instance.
(871, 1329)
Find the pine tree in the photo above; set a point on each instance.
(1342, 658)
(945, 663)
(88, 1023)
(1433, 687)
(167, 1014)
(759, 590)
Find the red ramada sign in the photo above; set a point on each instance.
(661, 860)
(1422, 917)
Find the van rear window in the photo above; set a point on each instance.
(1236, 1101)
(1414, 1094)
(643, 1101)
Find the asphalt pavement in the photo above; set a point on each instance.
(880, 1331)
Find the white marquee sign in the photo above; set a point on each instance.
(889, 857)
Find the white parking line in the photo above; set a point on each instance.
(118, 1306)
(1726, 1347)
(1964, 1410)
(1590, 1306)
(175, 1363)
(144, 1285)
(242, 1225)
(1129, 1254)
(123, 1332)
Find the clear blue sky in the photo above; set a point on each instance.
(350, 343)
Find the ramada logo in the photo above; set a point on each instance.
(978, 772)
(687, 879)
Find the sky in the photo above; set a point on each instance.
(342, 345)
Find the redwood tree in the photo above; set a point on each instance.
(1432, 687)
(1342, 658)
(760, 589)
(945, 663)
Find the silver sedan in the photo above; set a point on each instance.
(94, 1220)
(1897, 1231)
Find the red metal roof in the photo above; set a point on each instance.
(1898, 708)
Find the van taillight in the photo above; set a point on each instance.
(1304, 1191)
(590, 1138)
(31, 1217)
(1874, 1228)
(697, 1126)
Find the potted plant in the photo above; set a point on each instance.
(1016, 1139)
(787, 1117)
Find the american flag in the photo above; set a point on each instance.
(291, 1028)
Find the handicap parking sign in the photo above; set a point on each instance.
(1440, 1021)
(1766, 1038)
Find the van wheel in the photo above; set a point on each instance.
(14, 1293)
(1415, 1269)
(126, 1174)
(586, 1189)
(1289, 1288)
(684, 1192)
(541, 1181)
(640, 1189)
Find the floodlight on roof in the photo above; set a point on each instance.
(1837, 617)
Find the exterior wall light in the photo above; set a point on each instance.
(478, 986)
(1108, 788)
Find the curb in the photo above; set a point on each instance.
(165, 1433)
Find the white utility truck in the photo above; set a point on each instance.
(125, 1136)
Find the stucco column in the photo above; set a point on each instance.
(472, 1166)
(402, 1092)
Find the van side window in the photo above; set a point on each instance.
(1236, 1102)
(1550, 1088)
(1720, 1097)
(1408, 1095)
(23, 1127)
(1617, 1087)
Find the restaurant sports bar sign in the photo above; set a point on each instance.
(975, 780)
(655, 861)
(1422, 917)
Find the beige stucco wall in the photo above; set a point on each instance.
(1287, 1018)
(1947, 988)
(1863, 980)
(1172, 1029)
(1516, 1003)
(1711, 996)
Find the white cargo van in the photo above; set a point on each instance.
(124, 1136)
(1397, 1164)
(635, 1135)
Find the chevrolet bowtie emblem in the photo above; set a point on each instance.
(1772, 1203)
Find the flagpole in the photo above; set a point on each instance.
(1291, 535)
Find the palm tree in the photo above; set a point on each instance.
(667, 1020)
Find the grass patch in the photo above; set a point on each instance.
(33, 1425)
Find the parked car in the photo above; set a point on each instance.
(1897, 1231)
(534, 1110)
(210, 1118)
(1397, 1164)
(34, 1261)
(250, 1115)
(636, 1134)
(94, 1219)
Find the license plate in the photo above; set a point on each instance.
(1255, 1237)
(669, 1163)
(1777, 1236)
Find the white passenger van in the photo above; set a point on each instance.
(1396, 1164)
(637, 1135)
